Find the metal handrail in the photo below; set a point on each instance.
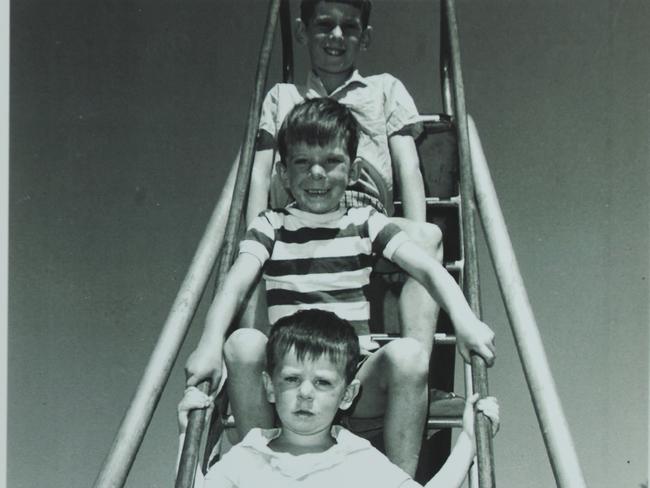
(550, 416)
(196, 419)
(138, 416)
(287, 41)
(445, 63)
(131, 432)
(453, 87)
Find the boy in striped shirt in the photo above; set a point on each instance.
(317, 253)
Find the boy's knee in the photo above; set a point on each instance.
(429, 236)
(245, 347)
(407, 361)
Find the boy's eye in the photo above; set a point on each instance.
(350, 28)
(291, 379)
(324, 25)
(323, 383)
(328, 25)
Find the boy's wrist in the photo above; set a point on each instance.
(465, 437)
(210, 343)
(462, 320)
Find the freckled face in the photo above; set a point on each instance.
(317, 176)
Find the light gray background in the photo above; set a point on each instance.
(125, 115)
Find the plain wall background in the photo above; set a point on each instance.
(125, 117)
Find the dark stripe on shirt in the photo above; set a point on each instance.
(308, 234)
(384, 237)
(318, 265)
(292, 297)
(255, 235)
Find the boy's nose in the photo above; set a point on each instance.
(306, 389)
(336, 31)
(317, 171)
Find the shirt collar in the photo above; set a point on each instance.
(260, 438)
(304, 464)
(325, 218)
(316, 87)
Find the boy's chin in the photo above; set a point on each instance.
(317, 207)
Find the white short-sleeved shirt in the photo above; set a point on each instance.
(350, 463)
(380, 103)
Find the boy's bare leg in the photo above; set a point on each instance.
(245, 356)
(418, 312)
(394, 384)
(254, 312)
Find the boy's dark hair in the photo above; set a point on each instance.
(312, 334)
(307, 8)
(319, 121)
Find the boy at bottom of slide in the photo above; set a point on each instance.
(312, 359)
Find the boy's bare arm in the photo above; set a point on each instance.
(453, 472)
(406, 162)
(205, 362)
(471, 333)
(258, 194)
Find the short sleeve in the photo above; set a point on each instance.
(224, 474)
(386, 236)
(269, 125)
(399, 109)
(384, 474)
(217, 478)
(259, 238)
(264, 141)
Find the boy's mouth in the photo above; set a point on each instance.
(316, 192)
(332, 51)
(303, 413)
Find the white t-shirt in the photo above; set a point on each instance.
(351, 463)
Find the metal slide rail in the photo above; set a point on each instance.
(454, 102)
(552, 422)
(196, 421)
(140, 411)
(476, 182)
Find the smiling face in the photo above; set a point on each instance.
(307, 394)
(334, 36)
(316, 175)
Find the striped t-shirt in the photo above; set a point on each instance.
(320, 261)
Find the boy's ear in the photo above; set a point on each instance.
(366, 38)
(281, 170)
(351, 392)
(355, 171)
(268, 387)
(301, 31)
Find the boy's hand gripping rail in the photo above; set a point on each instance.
(454, 102)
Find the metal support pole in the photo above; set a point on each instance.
(552, 422)
(127, 441)
(445, 68)
(287, 41)
(479, 369)
(196, 420)
(138, 416)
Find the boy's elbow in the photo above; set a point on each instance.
(262, 167)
